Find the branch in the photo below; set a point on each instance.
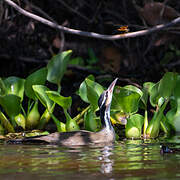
(92, 34)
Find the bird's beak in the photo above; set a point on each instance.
(110, 90)
(111, 86)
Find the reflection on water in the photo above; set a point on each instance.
(128, 159)
(106, 162)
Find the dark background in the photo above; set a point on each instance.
(26, 45)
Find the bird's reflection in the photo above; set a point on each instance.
(107, 163)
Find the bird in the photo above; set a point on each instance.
(105, 136)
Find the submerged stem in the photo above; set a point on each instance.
(145, 122)
(80, 115)
(60, 126)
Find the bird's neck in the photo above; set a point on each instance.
(105, 118)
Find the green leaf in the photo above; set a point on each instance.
(94, 90)
(6, 124)
(134, 89)
(170, 115)
(176, 92)
(64, 102)
(94, 85)
(11, 104)
(2, 130)
(176, 119)
(40, 92)
(125, 100)
(20, 120)
(15, 85)
(2, 87)
(176, 106)
(57, 67)
(82, 92)
(33, 117)
(165, 125)
(90, 122)
(146, 89)
(134, 126)
(153, 128)
(154, 94)
(167, 84)
(36, 78)
(45, 118)
(71, 124)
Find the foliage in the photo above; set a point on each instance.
(128, 103)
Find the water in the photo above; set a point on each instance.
(128, 159)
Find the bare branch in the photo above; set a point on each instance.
(92, 34)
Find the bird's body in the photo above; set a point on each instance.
(77, 138)
(74, 138)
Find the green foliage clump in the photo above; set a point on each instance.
(128, 103)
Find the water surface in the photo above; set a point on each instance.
(128, 159)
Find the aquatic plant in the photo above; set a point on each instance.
(160, 102)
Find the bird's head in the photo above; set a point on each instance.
(106, 97)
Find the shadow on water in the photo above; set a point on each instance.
(128, 159)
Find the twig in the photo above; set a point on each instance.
(92, 34)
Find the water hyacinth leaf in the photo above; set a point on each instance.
(57, 67)
(134, 126)
(161, 101)
(2, 87)
(82, 92)
(6, 124)
(176, 105)
(11, 104)
(2, 130)
(176, 119)
(64, 102)
(94, 90)
(146, 89)
(92, 97)
(71, 124)
(153, 128)
(15, 85)
(40, 92)
(90, 122)
(167, 84)
(148, 86)
(170, 115)
(176, 92)
(36, 78)
(165, 125)
(173, 103)
(125, 100)
(134, 89)
(20, 120)
(154, 94)
(61, 127)
(33, 117)
(94, 85)
(44, 119)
